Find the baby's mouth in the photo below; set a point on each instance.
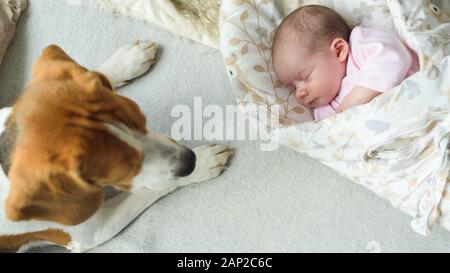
(311, 104)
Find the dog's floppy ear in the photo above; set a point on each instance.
(55, 64)
(50, 195)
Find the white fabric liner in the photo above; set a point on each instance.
(396, 145)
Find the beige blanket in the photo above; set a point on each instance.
(10, 11)
(195, 19)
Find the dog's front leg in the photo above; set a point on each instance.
(115, 214)
(129, 62)
(212, 160)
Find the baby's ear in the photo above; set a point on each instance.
(341, 49)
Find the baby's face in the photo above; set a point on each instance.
(315, 78)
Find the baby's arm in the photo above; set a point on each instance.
(359, 95)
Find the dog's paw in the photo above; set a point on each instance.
(129, 62)
(211, 162)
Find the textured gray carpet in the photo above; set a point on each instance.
(266, 202)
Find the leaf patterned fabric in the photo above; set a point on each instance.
(396, 145)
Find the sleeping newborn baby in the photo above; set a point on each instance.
(331, 68)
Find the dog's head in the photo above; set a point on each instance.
(74, 135)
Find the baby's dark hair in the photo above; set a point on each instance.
(316, 26)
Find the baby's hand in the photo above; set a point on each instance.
(359, 95)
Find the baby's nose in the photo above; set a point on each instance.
(301, 94)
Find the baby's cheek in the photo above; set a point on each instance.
(334, 87)
(322, 102)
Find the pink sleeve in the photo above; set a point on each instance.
(324, 112)
(383, 59)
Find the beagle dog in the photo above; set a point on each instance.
(68, 136)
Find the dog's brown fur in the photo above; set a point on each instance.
(13, 243)
(61, 137)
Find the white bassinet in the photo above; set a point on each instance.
(397, 145)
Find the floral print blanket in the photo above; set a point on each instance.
(397, 145)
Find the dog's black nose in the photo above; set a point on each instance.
(187, 163)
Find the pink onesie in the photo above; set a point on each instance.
(378, 60)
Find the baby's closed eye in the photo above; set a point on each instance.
(291, 88)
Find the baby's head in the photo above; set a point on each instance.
(309, 54)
